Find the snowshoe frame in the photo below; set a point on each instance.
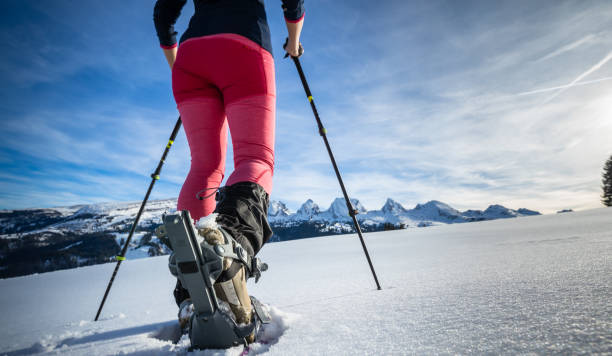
(198, 264)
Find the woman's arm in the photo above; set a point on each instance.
(294, 18)
(165, 14)
(293, 45)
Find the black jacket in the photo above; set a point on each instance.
(243, 17)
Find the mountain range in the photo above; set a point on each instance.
(40, 240)
(391, 212)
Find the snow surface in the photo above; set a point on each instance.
(539, 284)
(209, 222)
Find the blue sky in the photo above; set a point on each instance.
(468, 102)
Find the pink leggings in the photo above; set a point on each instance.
(214, 78)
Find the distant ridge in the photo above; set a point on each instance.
(392, 212)
(40, 240)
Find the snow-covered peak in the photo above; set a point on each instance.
(125, 208)
(393, 207)
(434, 204)
(308, 209)
(499, 211)
(94, 209)
(434, 210)
(338, 208)
(278, 209)
(524, 211)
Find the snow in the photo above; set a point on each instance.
(338, 209)
(71, 246)
(307, 210)
(431, 213)
(278, 209)
(208, 222)
(141, 252)
(121, 237)
(393, 207)
(538, 284)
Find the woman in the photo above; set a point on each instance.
(223, 76)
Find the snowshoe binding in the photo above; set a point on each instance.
(214, 268)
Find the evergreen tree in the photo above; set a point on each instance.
(606, 197)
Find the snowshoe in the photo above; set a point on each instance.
(214, 268)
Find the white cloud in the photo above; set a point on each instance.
(569, 47)
(589, 71)
(544, 90)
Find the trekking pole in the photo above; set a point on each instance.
(154, 177)
(323, 132)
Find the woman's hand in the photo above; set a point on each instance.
(170, 56)
(294, 49)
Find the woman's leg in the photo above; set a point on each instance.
(248, 87)
(251, 122)
(206, 132)
(203, 116)
(249, 95)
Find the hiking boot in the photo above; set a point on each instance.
(231, 287)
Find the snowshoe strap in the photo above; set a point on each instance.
(263, 316)
(234, 250)
(243, 331)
